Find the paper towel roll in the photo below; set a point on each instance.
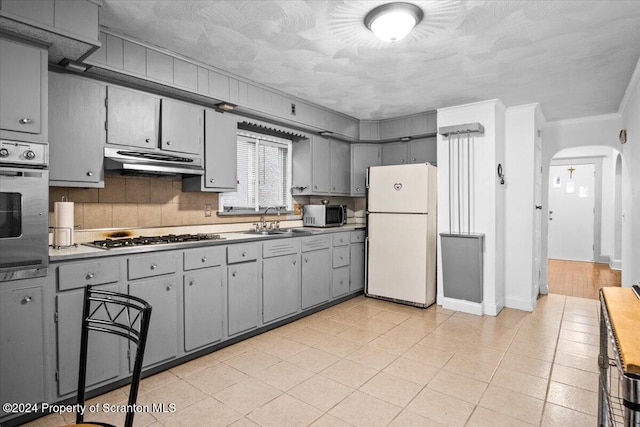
(63, 220)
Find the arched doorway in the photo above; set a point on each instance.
(583, 195)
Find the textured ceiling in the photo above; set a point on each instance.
(573, 57)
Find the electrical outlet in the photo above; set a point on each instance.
(293, 109)
(207, 210)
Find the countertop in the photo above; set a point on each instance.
(85, 252)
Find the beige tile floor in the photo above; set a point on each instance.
(371, 363)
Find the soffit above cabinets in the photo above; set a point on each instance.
(573, 57)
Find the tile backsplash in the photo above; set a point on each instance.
(133, 201)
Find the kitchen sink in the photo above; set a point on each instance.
(281, 232)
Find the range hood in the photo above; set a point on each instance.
(127, 160)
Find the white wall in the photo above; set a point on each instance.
(630, 111)
(519, 168)
(487, 198)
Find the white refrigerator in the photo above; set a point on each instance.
(401, 233)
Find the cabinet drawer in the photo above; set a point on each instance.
(78, 275)
(340, 256)
(203, 257)
(151, 265)
(357, 236)
(316, 242)
(340, 285)
(241, 253)
(280, 247)
(341, 239)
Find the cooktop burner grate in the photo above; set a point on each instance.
(152, 240)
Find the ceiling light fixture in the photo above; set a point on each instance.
(393, 21)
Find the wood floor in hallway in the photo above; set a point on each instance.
(579, 279)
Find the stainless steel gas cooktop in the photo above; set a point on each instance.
(152, 240)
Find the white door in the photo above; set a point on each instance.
(571, 212)
(402, 188)
(397, 253)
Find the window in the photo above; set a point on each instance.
(264, 174)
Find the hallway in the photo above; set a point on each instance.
(579, 279)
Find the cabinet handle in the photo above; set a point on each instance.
(341, 257)
(315, 187)
(26, 300)
(169, 287)
(147, 140)
(244, 254)
(233, 274)
(204, 259)
(191, 282)
(90, 276)
(294, 262)
(154, 266)
(89, 173)
(401, 160)
(306, 259)
(334, 188)
(25, 121)
(212, 180)
(357, 189)
(168, 142)
(341, 282)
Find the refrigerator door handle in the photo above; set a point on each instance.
(366, 265)
(366, 179)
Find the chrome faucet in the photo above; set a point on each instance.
(264, 218)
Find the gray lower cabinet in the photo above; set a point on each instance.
(356, 267)
(22, 342)
(76, 131)
(203, 309)
(280, 287)
(340, 263)
(242, 297)
(316, 263)
(103, 350)
(162, 295)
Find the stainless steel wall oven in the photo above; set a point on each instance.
(24, 207)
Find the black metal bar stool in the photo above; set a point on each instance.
(118, 314)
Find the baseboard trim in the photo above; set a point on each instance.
(604, 259)
(544, 289)
(462, 305)
(521, 304)
(615, 264)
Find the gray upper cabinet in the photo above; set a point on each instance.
(182, 127)
(423, 150)
(21, 340)
(340, 168)
(220, 155)
(132, 118)
(362, 156)
(394, 153)
(321, 166)
(321, 158)
(76, 131)
(23, 89)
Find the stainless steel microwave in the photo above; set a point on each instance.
(324, 215)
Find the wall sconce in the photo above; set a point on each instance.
(225, 106)
(623, 136)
